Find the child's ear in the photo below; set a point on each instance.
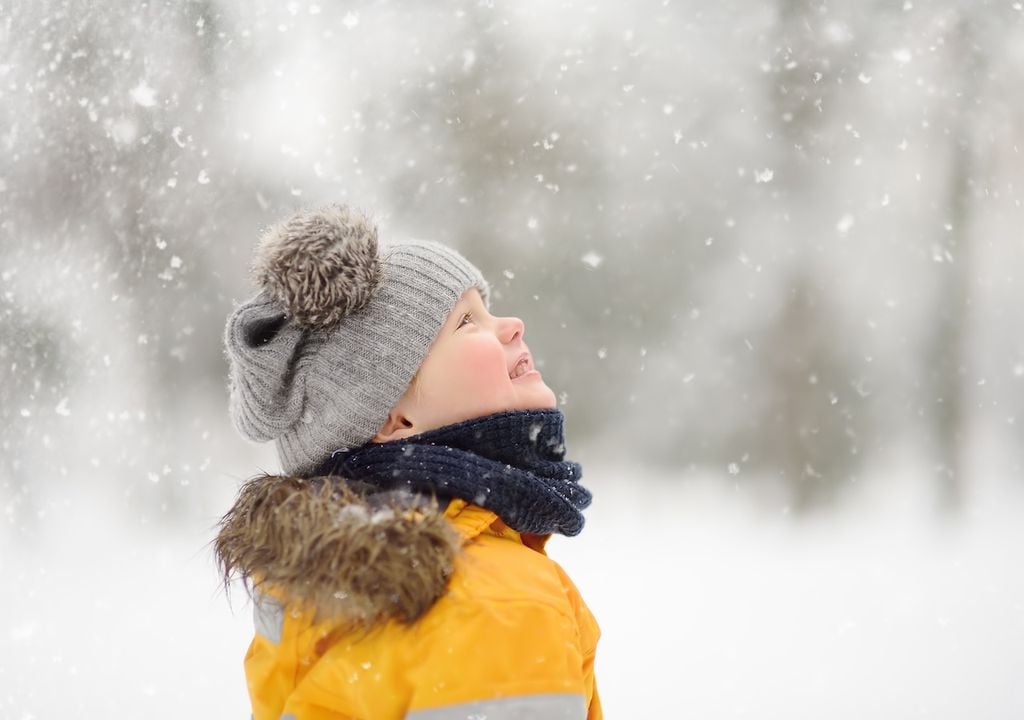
(396, 427)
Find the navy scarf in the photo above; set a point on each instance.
(510, 463)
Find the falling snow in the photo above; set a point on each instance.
(768, 262)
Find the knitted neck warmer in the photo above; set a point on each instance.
(510, 463)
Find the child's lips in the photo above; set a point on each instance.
(524, 366)
(527, 374)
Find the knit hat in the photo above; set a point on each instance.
(325, 349)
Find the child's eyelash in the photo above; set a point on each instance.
(467, 316)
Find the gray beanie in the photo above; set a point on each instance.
(325, 349)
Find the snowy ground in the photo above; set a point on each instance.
(710, 609)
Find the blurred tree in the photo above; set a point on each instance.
(947, 353)
(35, 374)
(806, 428)
(808, 431)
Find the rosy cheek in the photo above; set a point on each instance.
(481, 364)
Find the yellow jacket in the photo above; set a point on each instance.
(501, 632)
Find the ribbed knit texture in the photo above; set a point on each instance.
(511, 463)
(313, 391)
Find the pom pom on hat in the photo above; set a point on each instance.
(320, 264)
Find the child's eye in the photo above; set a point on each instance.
(468, 317)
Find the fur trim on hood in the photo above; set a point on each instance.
(344, 548)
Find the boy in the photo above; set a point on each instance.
(398, 567)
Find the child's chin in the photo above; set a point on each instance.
(539, 398)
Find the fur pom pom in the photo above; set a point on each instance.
(321, 264)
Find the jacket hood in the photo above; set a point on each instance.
(343, 548)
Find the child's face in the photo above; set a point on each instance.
(468, 373)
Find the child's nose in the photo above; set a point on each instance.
(512, 328)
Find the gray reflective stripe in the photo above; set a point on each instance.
(523, 707)
(268, 617)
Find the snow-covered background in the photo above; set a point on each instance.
(769, 254)
(710, 607)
